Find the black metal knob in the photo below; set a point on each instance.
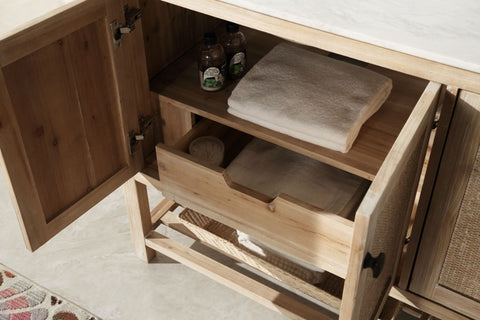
(376, 264)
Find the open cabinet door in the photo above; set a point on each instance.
(382, 218)
(69, 101)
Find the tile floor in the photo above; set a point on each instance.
(92, 264)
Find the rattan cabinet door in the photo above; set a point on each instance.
(447, 269)
(382, 217)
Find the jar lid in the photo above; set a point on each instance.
(209, 149)
(210, 38)
(232, 27)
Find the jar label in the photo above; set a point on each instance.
(237, 63)
(212, 78)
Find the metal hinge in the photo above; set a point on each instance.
(119, 30)
(144, 122)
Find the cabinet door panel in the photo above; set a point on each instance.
(95, 86)
(460, 270)
(446, 269)
(381, 220)
(68, 116)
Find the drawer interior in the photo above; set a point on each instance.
(283, 221)
(233, 140)
(243, 161)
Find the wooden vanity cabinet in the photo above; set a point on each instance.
(75, 101)
(389, 152)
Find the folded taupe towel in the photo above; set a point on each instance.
(309, 96)
(273, 170)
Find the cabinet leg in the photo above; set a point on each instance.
(139, 216)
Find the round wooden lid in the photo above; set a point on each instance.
(209, 149)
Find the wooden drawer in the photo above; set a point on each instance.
(338, 245)
(319, 237)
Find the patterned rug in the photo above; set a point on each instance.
(21, 299)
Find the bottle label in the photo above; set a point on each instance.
(212, 78)
(237, 63)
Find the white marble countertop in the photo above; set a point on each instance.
(439, 30)
(16, 15)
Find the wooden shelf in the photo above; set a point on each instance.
(178, 85)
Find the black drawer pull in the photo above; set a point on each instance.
(376, 264)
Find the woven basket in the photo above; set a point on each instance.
(222, 232)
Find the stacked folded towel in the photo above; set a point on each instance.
(309, 96)
(273, 170)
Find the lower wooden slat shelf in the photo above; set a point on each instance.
(269, 297)
(224, 239)
(235, 280)
(159, 211)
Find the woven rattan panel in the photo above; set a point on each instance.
(231, 235)
(388, 230)
(461, 270)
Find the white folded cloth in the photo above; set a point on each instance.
(266, 251)
(309, 96)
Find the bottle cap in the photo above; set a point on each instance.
(210, 38)
(232, 27)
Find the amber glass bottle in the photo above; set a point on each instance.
(235, 46)
(211, 63)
